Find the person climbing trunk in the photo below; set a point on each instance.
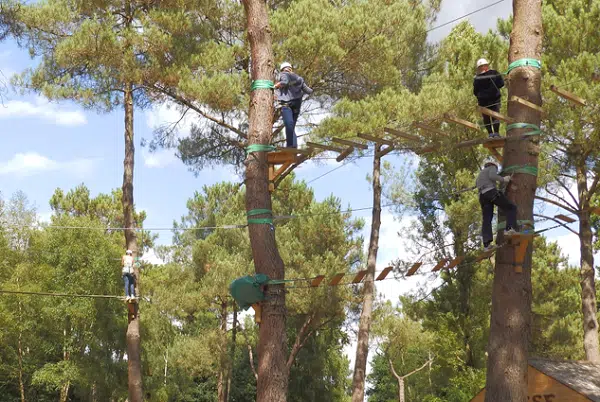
(272, 381)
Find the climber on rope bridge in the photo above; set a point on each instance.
(290, 89)
(489, 196)
(128, 277)
(486, 87)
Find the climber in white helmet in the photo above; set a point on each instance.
(486, 87)
(489, 196)
(128, 277)
(289, 91)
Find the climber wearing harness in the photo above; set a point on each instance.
(486, 87)
(489, 196)
(290, 89)
(128, 277)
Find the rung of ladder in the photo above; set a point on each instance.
(347, 152)
(386, 151)
(384, 273)
(452, 119)
(317, 281)
(568, 95)
(528, 104)
(495, 115)
(402, 134)
(325, 147)
(336, 279)
(455, 262)
(430, 129)
(439, 265)
(349, 143)
(565, 218)
(414, 268)
(375, 139)
(359, 276)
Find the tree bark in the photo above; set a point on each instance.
(222, 380)
(232, 352)
(134, 357)
(510, 323)
(272, 343)
(64, 390)
(364, 326)
(401, 389)
(588, 285)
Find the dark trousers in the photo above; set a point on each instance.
(487, 201)
(492, 125)
(129, 285)
(290, 112)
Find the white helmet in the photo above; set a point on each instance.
(482, 62)
(129, 252)
(285, 64)
(490, 161)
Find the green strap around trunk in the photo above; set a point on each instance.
(262, 84)
(259, 148)
(259, 221)
(532, 170)
(535, 130)
(524, 63)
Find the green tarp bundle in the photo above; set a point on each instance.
(247, 290)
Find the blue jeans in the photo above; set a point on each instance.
(487, 201)
(290, 112)
(129, 285)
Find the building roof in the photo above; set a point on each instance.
(582, 377)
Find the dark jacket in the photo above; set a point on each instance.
(486, 87)
(292, 87)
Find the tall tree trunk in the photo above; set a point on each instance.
(510, 322)
(272, 343)
(588, 285)
(134, 355)
(166, 358)
(364, 325)
(232, 353)
(64, 390)
(401, 397)
(20, 351)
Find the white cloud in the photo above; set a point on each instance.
(158, 159)
(42, 109)
(151, 258)
(32, 163)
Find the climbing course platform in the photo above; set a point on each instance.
(282, 161)
(493, 145)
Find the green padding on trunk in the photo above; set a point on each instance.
(247, 290)
(262, 84)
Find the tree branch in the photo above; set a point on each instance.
(299, 342)
(419, 369)
(394, 370)
(559, 222)
(556, 203)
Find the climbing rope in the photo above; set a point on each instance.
(262, 84)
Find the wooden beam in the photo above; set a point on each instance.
(486, 254)
(495, 115)
(325, 147)
(427, 149)
(455, 262)
(494, 143)
(568, 96)
(402, 134)
(430, 129)
(317, 281)
(528, 104)
(471, 143)
(347, 152)
(278, 158)
(281, 169)
(414, 268)
(336, 279)
(349, 143)
(496, 154)
(359, 276)
(565, 218)
(439, 265)
(386, 151)
(294, 151)
(467, 124)
(375, 139)
(521, 241)
(384, 273)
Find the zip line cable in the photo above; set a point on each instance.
(464, 16)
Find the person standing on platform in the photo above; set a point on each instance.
(486, 87)
(128, 277)
(289, 91)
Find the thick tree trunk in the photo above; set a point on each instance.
(64, 392)
(364, 325)
(588, 285)
(134, 356)
(510, 323)
(272, 343)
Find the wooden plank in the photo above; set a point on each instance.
(386, 151)
(336, 279)
(359, 276)
(455, 262)
(452, 119)
(528, 104)
(427, 149)
(486, 254)
(521, 241)
(565, 218)
(281, 169)
(568, 96)
(375, 139)
(384, 273)
(325, 147)
(402, 134)
(494, 143)
(496, 154)
(347, 152)
(278, 158)
(349, 143)
(471, 143)
(414, 268)
(294, 151)
(430, 129)
(439, 265)
(495, 115)
(317, 281)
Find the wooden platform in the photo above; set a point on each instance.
(492, 146)
(283, 161)
(520, 241)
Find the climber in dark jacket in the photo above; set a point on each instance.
(290, 89)
(486, 87)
